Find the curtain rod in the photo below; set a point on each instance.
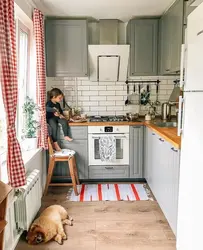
(141, 81)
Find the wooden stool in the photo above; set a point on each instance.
(62, 156)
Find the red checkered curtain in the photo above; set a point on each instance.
(9, 85)
(38, 20)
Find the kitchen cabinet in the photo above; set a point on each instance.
(108, 172)
(66, 47)
(161, 170)
(80, 145)
(142, 35)
(136, 151)
(171, 38)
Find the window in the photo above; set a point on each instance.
(23, 66)
(23, 38)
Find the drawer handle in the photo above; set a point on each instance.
(153, 133)
(108, 167)
(175, 150)
(199, 33)
(160, 139)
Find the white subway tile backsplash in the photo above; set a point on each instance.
(114, 87)
(116, 108)
(98, 108)
(107, 103)
(90, 93)
(114, 98)
(98, 98)
(107, 83)
(121, 92)
(83, 98)
(106, 93)
(97, 87)
(108, 98)
(90, 103)
(83, 87)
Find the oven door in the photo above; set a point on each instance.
(122, 149)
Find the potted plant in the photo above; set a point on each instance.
(31, 125)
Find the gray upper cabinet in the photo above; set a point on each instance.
(136, 152)
(66, 47)
(142, 35)
(171, 38)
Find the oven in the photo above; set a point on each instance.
(121, 134)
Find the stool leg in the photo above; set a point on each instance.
(76, 171)
(49, 175)
(71, 168)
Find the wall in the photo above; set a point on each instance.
(107, 98)
(25, 6)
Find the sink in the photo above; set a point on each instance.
(166, 124)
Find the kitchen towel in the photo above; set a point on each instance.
(107, 148)
(111, 192)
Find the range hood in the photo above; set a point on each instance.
(108, 61)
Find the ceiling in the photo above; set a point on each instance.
(104, 9)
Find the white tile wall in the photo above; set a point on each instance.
(107, 98)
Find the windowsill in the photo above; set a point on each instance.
(27, 156)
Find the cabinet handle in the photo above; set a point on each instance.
(199, 33)
(108, 167)
(153, 133)
(160, 139)
(175, 150)
(167, 69)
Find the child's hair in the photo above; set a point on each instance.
(53, 93)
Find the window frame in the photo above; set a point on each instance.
(20, 26)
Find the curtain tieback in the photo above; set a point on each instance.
(11, 130)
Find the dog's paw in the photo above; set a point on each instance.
(64, 237)
(58, 239)
(67, 222)
(70, 218)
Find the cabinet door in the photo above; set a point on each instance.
(136, 152)
(176, 19)
(142, 35)
(66, 47)
(165, 60)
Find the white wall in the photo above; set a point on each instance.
(25, 6)
(107, 98)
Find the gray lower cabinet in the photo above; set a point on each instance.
(66, 47)
(136, 151)
(142, 35)
(108, 172)
(162, 174)
(80, 145)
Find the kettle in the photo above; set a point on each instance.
(166, 111)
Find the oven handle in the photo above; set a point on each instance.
(116, 137)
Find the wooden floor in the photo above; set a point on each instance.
(138, 225)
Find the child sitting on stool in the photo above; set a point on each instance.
(54, 115)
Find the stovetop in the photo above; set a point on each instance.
(119, 118)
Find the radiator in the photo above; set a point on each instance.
(28, 201)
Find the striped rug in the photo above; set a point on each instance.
(110, 192)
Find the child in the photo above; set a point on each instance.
(54, 115)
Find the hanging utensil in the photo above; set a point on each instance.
(127, 101)
(157, 102)
(139, 91)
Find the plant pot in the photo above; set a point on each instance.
(30, 143)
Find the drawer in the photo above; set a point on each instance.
(77, 132)
(108, 172)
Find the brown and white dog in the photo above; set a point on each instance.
(49, 225)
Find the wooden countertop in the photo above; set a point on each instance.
(169, 134)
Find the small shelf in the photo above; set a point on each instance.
(2, 225)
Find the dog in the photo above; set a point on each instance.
(49, 225)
